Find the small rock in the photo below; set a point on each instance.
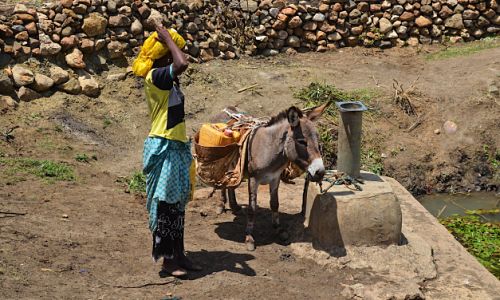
(413, 42)
(95, 24)
(22, 76)
(117, 77)
(42, 83)
(385, 25)
(115, 49)
(58, 75)
(22, 36)
(119, 21)
(20, 8)
(75, 59)
(293, 41)
(310, 26)
(450, 127)
(154, 18)
(65, 216)
(27, 94)
(437, 131)
(136, 27)
(6, 86)
(31, 28)
(334, 37)
(391, 35)
(423, 21)
(455, 22)
(295, 22)
(72, 86)
(89, 85)
(87, 45)
(493, 90)
(69, 42)
(319, 17)
(7, 103)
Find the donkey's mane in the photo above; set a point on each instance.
(283, 115)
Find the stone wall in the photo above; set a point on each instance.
(78, 31)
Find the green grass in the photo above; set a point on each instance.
(46, 169)
(137, 183)
(319, 93)
(465, 49)
(82, 157)
(481, 239)
(493, 159)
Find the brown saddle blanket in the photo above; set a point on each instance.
(225, 166)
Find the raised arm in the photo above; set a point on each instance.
(180, 63)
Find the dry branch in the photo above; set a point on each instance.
(402, 97)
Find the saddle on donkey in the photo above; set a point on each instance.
(221, 148)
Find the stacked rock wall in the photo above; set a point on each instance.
(83, 33)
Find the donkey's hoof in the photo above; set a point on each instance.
(283, 235)
(250, 243)
(236, 210)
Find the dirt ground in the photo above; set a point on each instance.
(88, 239)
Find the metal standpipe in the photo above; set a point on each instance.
(349, 139)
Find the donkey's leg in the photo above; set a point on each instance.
(273, 190)
(232, 201)
(221, 204)
(252, 207)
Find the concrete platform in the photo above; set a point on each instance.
(343, 216)
(429, 264)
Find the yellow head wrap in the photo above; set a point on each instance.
(152, 50)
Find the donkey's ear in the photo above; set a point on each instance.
(293, 114)
(316, 112)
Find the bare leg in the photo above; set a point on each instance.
(252, 207)
(232, 201)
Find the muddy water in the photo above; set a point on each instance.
(457, 204)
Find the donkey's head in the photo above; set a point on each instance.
(302, 141)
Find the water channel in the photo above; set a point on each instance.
(444, 205)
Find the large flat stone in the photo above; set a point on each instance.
(342, 216)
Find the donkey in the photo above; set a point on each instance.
(290, 136)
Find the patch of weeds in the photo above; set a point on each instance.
(47, 169)
(58, 128)
(481, 239)
(82, 157)
(493, 159)
(137, 183)
(465, 49)
(371, 160)
(106, 122)
(318, 93)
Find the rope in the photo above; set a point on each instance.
(340, 179)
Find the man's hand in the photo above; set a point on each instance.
(163, 34)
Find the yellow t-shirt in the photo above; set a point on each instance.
(166, 105)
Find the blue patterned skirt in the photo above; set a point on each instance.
(166, 166)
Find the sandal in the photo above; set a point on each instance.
(170, 268)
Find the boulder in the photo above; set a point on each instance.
(72, 86)
(295, 22)
(7, 103)
(22, 76)
(455, 22)
(116, 49)
(48, 47)
(119, 21)
(293, 41)
(42, 83)
(6, 86)
(27, 94)
(423, 21)
(136, 27)
(58, 75)
(89, 85)
(87, 45)
(75, 59)
(95, 24)
(385, 25)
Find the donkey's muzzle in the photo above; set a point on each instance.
(316, 170)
